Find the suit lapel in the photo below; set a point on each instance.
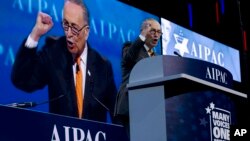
(143, 53)
(70, 84)
(90, 79)
(64, 79)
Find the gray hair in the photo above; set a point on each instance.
(147, 22)
(84, 7)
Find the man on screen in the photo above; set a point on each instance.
(78, 76)
(141, 48)
(166, 28)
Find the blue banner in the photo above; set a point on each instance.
(177, 40)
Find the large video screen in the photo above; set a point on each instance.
(112, 23)
(177, 40)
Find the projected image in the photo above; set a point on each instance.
(166, 29)
(111, 24)
(179, 41)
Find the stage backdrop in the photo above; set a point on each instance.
(112, 23)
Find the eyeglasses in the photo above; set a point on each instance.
(153, 31)
(75, 31)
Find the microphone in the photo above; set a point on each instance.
(33, 104)
(105, 107)
(92, 93)
(23, 105)
(176, 53)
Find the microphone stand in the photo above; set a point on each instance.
(33, 104)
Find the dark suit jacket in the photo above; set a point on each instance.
(52, 66)
(135, 53)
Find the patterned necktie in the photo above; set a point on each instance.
(151, 52)
(79, 91)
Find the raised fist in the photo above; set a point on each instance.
(43, 24)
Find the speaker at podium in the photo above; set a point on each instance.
(178, 98)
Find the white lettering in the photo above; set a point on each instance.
(243, 131)
(208, 73)
(221, 123)
(1, 49)
(221, 133)
(88, 136)
(193, 50)
(30, 6)
(19, 4)
(102, 27)
(66, 132)
(98, 26)
(220, 58)
(216, 132)
(122, 35)
(130, 34)
(216, 74)
(55, 135)
(207, 52)
(218, 140)
(213, 60)
(112, 29)
(10, 58)
(42, 5)
(53, 13)
(76, 135)
(93, 26)
(221, 116)
(97, 136)
(200, 50)
(239, 132)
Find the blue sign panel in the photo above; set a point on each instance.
(207, 118)
(177, 40)
(27, 125)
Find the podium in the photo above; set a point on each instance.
(174, 99)
(26, 125)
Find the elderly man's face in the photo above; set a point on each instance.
(76, 29)
(154, 34)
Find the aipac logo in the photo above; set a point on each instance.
(181, 43)
(197, 50)
(220, 120)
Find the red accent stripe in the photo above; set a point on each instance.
(244, 40)
(217, 12)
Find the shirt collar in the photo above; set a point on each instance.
(83, 56)
(146, 47)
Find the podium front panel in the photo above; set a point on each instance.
(27, 125)
(200, 115)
